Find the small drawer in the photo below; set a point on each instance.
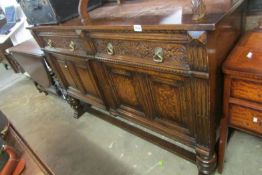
(246, 118)
(247, 90)
(70, 44)
(155, 53)
(65, 42)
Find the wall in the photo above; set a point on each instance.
(254, 14)
(22, 34)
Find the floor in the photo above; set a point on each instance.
(92, 146)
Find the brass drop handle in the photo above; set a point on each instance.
(50, 43)
(72, 46)
(110, 49)
(159, 55)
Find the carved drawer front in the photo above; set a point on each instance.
(247, 90)
(246, 118)
(77, 75)
(155, 54)
(66, 42)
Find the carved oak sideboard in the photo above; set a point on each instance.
(150, 63)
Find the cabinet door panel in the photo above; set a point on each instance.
(125, 85)
(86, 79)
(156, 100)
(77, 77)
(67, 75)
(167, 101)
(171, 100)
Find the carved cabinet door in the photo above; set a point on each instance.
(77, 77)
(161, 101)
(172, 101)
(127, 90)
(66, 69)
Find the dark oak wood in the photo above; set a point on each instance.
(242, 90)
(166, 78)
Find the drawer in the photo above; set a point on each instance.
(66, 42)
(246, 118)
(247, 90)
(160, 54)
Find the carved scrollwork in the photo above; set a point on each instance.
(143, 49)
(75, 104)
(178, 55)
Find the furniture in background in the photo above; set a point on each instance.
(6, 42)
(242, 90)
(50, 12)
(22, 159)
(3, 59)
(254, 14)
(13, 63)
(154, 63)
(17, 34)
(31, 59)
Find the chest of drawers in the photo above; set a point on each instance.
(243, 90)
(165, 79)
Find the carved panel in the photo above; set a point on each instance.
(171, 101)
(197, 56)
(77, 77)
(201, 118)
(66, 74)
(174, 54)
(124, 86)
(87, 80)
(191, 56)
(167, 101)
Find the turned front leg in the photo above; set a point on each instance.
(76, 105)
(206, 161)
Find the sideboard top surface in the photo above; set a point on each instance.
(153, 15)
